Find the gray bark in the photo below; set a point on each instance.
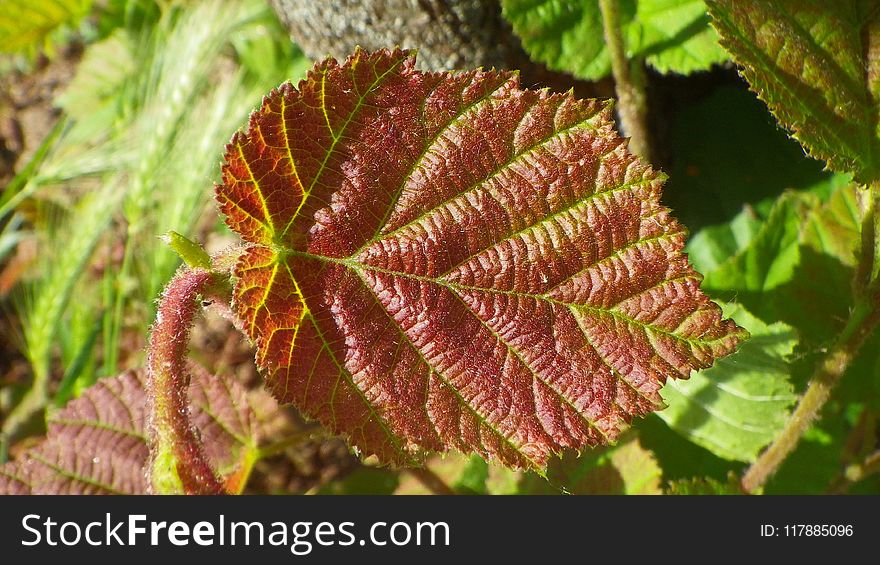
(448, 34)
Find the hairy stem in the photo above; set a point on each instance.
(629, 82)
(178, 460)
(430, 480)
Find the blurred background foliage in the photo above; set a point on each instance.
(132, 152)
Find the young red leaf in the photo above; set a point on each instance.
(94, 445)
(97, 444)
(444, 260)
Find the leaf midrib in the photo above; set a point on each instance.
(361, 268)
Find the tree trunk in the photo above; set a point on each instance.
(448, 34)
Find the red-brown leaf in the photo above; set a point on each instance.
(444, 260)
(97, 444)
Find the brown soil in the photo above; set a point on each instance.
(27, 113)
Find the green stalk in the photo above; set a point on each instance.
(43, 317)
(68, 385)
(629, 82)
(111, 342)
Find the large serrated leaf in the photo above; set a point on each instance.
(737, 407)
(443, 260)
(713, 246)
(815, 64)
(566, 35)
(97, 444)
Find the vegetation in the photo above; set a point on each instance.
(480, 287)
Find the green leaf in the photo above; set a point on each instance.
(738, 406)
(473, 477)
(820, 295)
(638, 468)
(627, 468)
(566, 35)
(804, 254)
(192, 253)
(679, 457)
(447, 261)
(713, 246)
(675, 36)
(834, 228)
(815, 64)
(25, 25)
(771, 256)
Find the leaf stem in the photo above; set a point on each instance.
(862, 321)
(431, 481)
(629, 82)
(178, 460)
